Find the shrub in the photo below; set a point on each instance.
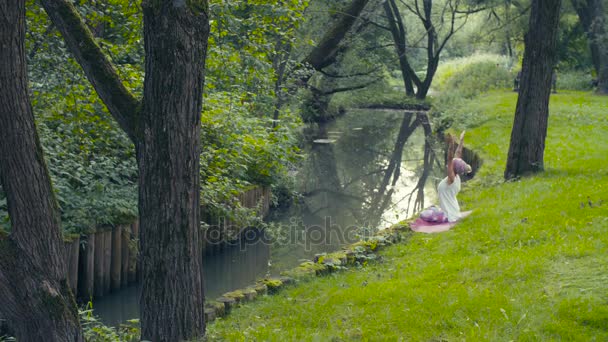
(574, 80)
(471, 76)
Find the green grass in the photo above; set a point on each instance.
(530, 264)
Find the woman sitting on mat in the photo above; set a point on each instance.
(449, 187)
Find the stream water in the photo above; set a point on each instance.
(363, 172)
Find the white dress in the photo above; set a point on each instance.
(447, 198)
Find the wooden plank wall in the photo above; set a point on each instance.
(103, 261)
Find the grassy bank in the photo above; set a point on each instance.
(529, 264)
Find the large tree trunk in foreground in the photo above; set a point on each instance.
(595, 22)
(532, 111)
(168, 156)
(166, 131)
(34, 294)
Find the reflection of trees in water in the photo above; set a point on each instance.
(354, 181)
(382, 197)
(427, 165)
(355, 178)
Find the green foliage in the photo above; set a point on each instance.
(92, 162)
(239, 151)
(95, 331)
(572, 46)
(246, 38)
(241, 145)
(499, 30)
(4, 219)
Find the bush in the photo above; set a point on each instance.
(240, 150)
(574, 80)
(471, 76)
(95, 331)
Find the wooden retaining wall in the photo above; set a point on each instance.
(101, 262)
(106, 260)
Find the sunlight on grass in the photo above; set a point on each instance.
(529, 264)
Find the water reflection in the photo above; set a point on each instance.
(363, 172)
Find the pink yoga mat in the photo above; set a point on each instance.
(422, 226)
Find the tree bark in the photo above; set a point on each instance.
(175, 39)
(532, 111)
(592, 15)
(36, 299)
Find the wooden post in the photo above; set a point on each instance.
(98, 263)
(125, 236)
(267, 197)
(116, 261)
(133, 259)
(86, 277)
(72, 265)
(107, 256)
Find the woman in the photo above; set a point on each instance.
(449, 187)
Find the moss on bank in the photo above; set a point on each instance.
(529, 264)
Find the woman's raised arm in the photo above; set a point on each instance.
(460, 145)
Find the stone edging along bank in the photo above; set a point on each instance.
(357, 253)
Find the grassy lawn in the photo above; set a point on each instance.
(531, 263)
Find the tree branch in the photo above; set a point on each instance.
(360, 86)
(99, 70)
(373, 23)
(366, 73)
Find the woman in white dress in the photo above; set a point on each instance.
(449, 187)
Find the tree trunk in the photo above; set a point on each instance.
(433, 49)
(593, 18)
(175, 38)
(325, 52)
(532, 112)
(36, 299)
(400, 40)
(508, 29)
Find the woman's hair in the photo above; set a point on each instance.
(460, 166)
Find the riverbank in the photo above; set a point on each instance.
(528, 264)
